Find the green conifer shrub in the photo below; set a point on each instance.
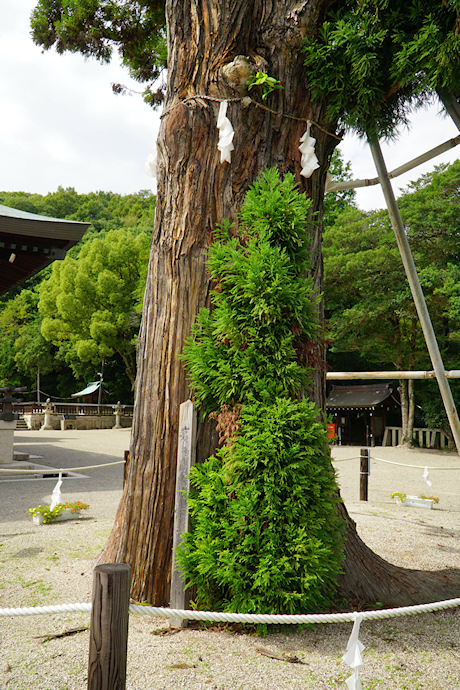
(266, 534)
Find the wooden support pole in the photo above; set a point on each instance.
(108, 643)
(364, 472)
(417, 292)
(186, 452)
(454, 112)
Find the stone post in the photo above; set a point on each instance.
(7, 423)
(6, 441)
(118, 410)
(48, 412)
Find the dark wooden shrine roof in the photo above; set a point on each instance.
(29, 242)
(364, 397)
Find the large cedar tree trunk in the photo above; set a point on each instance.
(196, 191)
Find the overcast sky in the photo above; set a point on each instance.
(60, 123)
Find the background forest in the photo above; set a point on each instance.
(372, 323)
(76, 312)
(65, 320)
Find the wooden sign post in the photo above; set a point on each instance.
(186, 452)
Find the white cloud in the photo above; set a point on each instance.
(60, 123)
(428, 129)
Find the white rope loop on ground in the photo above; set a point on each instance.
(216, 616)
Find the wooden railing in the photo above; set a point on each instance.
(71, 409)
(426, 438)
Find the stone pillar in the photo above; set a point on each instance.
(118, 409)
(6, 441)
(48, 412)
(7, 423)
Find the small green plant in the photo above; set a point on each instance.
(52, 515)
(48, 514)
(399, 495)
(264, 84)
(430, 498)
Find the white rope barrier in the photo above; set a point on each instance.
(217, 616)
(425, 468)
(400, 464)
(293, 619)
(355, 457)
(60, 470)
(41, 610)
(122, 462)
(418, 467)
(352, 657)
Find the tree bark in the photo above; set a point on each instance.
(410, 411)
(402, 388)
(368, 579)
(196, 192)
(407, 395)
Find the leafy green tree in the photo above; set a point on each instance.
(266, 532)
(23, 350)
(368, 302)
(136, 27)
(23, 345)
(373, 61)
(11, 318)
(89, 303)
(104, 210)
(366, 293)
(430, 210)
(339, 201)
(31, 203)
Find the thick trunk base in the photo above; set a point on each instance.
(369, 580)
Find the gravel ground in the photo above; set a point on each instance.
(53, 564)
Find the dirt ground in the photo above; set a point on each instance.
(53, 565)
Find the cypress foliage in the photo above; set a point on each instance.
(373, 61)
(265, 528)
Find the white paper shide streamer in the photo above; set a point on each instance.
(426, 477)
(226, 134)
(150, 166)
(56, 495)
(308, 160)
(353, 657)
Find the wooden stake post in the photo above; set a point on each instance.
(108, 641)
(185, 461)
(365, 470)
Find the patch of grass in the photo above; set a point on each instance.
(37, 588)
